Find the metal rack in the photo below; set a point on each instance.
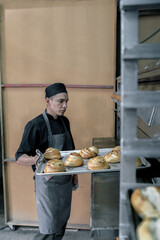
(132, 99)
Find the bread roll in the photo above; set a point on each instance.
(89, 152)
(52, 153)
(146, 201)
(115, 155)
(94, 149)
(112, 157)
(117, 148)
(74, 160)
(54, 166)
(138, 162)
(149, 229)
(97, 163)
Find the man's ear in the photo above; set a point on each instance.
(47, 100)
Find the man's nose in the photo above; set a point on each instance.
(65, 104)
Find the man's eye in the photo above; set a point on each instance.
(62, 101)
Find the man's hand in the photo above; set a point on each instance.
(27, 160)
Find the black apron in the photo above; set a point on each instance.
(53, 197)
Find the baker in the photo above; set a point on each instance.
(50, 129)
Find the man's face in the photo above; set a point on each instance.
(57, 105)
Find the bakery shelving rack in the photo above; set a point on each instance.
(131, 100)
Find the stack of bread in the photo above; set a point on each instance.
(54, 163)
(146, 203)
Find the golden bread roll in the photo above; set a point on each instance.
(74, 160)
(52, 153)
(112, 157)
(89, 152)
(148, 229)
(146, 201)
(138, 162)
(94, 149)
(55, 165)
(97, 163)
(117, 148)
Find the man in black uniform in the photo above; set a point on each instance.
(50, 129)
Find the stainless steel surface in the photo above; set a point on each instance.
(143, 4)
(132, 99)
(140, 99)
(147, 51)
(147, 115)
(145, 131)
(105, 205)
(143, 147)
(84, 169)
(40, 158)
(150, 116)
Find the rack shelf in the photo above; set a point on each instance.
(131, 100)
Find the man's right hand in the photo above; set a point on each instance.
(27, 160)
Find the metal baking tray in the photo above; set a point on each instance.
(84, 167)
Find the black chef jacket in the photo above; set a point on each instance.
(35, 134)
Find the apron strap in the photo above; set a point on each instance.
(47, 123)
(50, 138)
(64, 125)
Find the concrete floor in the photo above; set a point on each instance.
(27, 233)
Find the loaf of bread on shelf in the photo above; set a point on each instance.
(98, 163)
(74, 160)
(55, 165)
(52, 153)
(146, 201)
(89, 152)
(138, 162)
(149, 229)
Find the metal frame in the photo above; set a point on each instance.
(131, 100)
(105, 205)
(1, 116)
(1, 110)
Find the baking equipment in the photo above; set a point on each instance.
(104, 220)
(84, 168)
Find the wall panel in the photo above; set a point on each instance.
(44, 42)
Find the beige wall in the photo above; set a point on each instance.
(44, 42)
(72, 42)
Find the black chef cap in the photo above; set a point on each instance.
(54, 89)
